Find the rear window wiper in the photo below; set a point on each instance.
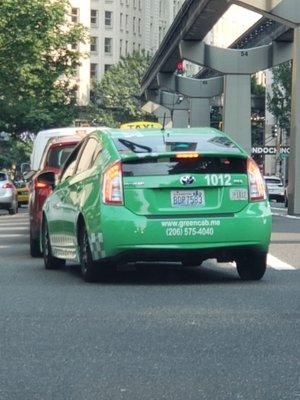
(135, 146)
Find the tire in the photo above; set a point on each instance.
(252, 267)
(35, 250)
(50, 261)
(89, 270)
(13, 209)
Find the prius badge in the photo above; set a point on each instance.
(187, 180)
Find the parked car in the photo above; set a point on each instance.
(8, 194)
(22, 190)
(176, 194)
(275, 188)
(55, 154)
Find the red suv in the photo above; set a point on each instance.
(54, 156)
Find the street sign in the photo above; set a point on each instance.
(271, 150)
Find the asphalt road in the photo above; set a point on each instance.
(159, 332)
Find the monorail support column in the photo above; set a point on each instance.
(294, 160)
(237, 109)
(200, 112)
(180, 118)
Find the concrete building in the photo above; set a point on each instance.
(117, 28)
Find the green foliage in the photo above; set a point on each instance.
(116, 99)
(279, 103)
(15, 151)
(256, 88)
(37, 64)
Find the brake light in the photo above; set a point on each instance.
(257, 190)
(112, 185)
(8, 185)
(187, 155)
(40, 185)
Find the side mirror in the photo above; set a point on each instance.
(48, 179)
(28, 175)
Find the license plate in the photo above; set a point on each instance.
(187, 198)
(238, 194)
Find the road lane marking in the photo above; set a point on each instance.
(274, 263)
(279, 265)
(285, 216)
(13, 228)
(11, 235)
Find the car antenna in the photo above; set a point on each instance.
(164, 122)
(164, 128)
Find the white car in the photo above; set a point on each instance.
(275, 188)
(8, 194)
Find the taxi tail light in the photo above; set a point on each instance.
(112, 185)
(257, 189)
(8, 185)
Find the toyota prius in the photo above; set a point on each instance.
(181, 195)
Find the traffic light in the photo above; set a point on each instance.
(275, 131)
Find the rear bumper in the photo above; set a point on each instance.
(278, 197)
(23, 198)
(7, 200)
(124, 234)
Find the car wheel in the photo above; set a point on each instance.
(12, 210)
(50, 261)
(252, 267)
(88, 266)
(35, 250)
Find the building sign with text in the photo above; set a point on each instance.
(271, 150)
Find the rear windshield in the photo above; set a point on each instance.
(273, 181)
(172, 166)
(58, 155)
(3, 177)
(175, 143)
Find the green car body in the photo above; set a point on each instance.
(185, 197)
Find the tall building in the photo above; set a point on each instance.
(117, 28)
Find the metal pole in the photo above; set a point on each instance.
(294, 164)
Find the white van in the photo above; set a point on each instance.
(43, 137)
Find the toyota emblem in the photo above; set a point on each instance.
(187, 180)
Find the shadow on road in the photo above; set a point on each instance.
(160, 273)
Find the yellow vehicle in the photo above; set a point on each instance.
(22, 190)
(141, 125)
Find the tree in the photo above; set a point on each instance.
(117, 97)
(14, 151)
(279, 102)
(37, 64)
(256, 88)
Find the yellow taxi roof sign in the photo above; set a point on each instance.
(141, 125)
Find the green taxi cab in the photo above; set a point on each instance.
(183, 195)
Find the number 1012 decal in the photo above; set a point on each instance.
(218, 180)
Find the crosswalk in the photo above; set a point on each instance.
(14, 233)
